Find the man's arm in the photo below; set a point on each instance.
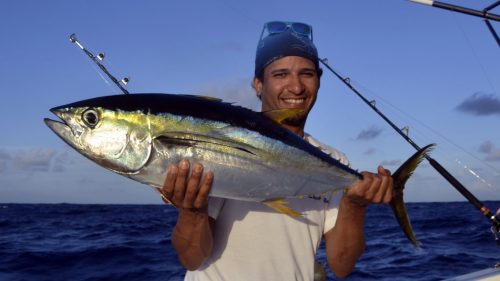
(345, 242)
(192, 236)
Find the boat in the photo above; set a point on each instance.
(488, 274)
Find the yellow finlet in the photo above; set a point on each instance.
(279, 115)
(163, 197)
(279, 206)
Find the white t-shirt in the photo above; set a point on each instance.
(253, 242)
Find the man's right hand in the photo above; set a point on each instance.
(188, 192)
(192, 236)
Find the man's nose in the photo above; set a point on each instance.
(295, 84)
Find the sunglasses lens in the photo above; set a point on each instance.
(276, 27)
(301, 28)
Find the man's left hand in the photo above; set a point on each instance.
(372, 189)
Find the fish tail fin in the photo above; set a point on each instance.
(397, 204)
(279, 206)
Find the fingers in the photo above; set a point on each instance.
(383, 193)
(374, 188)
(180, 183)
(382, 171)
(169, 184)
(202, 198)
(387, 183)
(185, 190)
(193, 187)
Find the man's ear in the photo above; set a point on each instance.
(257, 85)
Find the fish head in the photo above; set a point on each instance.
(115, 139)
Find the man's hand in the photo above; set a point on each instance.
(185, 191)
(372, 189)
(192, 236)
(346, 242)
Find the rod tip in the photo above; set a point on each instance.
(72, 38)
(425, 2)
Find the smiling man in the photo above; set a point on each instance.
(223, 239)
(290, 82)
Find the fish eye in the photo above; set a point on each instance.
(90, 117)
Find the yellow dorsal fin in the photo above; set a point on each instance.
(279, 206)
(278, 115)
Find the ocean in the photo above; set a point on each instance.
(132, 242)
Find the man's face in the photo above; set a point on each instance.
(289, 82)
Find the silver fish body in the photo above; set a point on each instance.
(253, 158)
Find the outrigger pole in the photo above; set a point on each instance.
(100, 56)
(440, 169)
(485, 14)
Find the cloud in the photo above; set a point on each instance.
(488, 148)
(34, 159)
(4, 155)
(493, 156)
(61, 161)
(81, 182)
(369, 134)
(480, 104)
(4, 159)
(369, 151)
(395, 162)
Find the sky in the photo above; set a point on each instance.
(435, 71)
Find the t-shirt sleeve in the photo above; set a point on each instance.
(215, 205)
(332, 210)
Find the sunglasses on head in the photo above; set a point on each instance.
(275, 27)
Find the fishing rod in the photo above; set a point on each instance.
(438, 167)
(96, 59)
(486, 212)
(485, 13)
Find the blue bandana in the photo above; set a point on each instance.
(288, 43)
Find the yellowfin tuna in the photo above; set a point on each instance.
(252, 156)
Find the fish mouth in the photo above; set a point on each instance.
(55, 126)
(60, 128)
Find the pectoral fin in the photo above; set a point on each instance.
(279, 206)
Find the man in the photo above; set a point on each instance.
(222, 239)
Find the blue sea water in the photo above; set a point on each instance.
(132, 242)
